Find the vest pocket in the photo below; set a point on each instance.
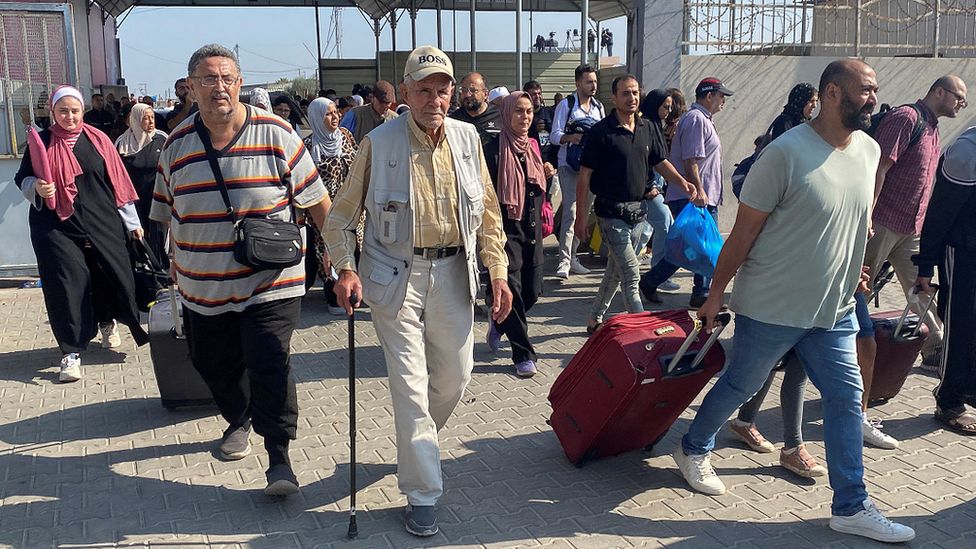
(379, 279)
(392, 215)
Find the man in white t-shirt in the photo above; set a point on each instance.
(580, 105)
(798, 247)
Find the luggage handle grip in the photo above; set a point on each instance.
(723, 320)
(913, 299)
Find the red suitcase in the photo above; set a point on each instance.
(631, 381)
(900, 336)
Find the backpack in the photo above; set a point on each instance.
(744, 165)
(574, 152)
(917, 131)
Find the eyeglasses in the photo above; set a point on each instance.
(470, 89)
(960, 98)
(210, 81)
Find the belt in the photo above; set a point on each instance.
(438, 253)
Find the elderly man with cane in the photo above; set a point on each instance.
(429, 202)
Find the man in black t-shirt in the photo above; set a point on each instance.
(475, 108)
(183, 109)
(616, 156)
(542, 121)
(99, 116)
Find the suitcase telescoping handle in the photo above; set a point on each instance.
(913, 300)
(174, 305)
(723, 319)
(353, 530)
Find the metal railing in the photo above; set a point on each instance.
(934, 28)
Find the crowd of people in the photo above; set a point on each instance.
(408, 209)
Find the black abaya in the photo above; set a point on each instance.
(142, 170)
(83, 261)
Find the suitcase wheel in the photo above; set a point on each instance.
(587, 457)
(650, 447)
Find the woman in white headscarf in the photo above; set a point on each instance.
(139, 148)
(333, 149)
(261, 99)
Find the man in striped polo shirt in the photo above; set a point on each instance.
(239, 321)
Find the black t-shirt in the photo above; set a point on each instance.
(101, 119)
(488, 123)
(620, 159)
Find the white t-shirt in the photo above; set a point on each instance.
(806, 262)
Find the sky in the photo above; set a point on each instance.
(156, 43)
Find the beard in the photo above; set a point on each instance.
(471, 104)
(854, 117)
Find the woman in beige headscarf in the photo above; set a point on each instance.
(139, 148)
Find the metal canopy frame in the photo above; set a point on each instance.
(379, 10)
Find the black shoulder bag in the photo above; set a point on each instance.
(261, 244)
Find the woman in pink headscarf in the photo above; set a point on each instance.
(520, 177)
(83, 210)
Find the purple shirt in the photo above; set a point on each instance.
(696, 137)
(904, 198)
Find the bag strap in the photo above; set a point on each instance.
(204, 136)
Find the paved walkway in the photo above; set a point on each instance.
(100, 463)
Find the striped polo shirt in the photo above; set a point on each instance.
(264, 165)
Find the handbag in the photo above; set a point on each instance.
(260, 243)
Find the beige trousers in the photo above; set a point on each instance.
(898, 249)
(428, 345)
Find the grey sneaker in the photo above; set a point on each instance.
(870, 523)
(110, 335)
(421, 520)
(235, 444)
(526, 368)
(281, 481)
(669, 286)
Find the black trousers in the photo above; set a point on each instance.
(244, 358)
(957, 307)
(523, 246)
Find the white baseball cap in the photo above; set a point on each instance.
(497, 92)
(425, 61)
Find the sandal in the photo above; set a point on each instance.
(959, 420)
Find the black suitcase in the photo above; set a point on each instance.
(179, 383)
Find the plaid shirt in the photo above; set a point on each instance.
(908, 184)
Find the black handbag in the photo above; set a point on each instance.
(259, 243)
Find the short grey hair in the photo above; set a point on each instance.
(211, 50)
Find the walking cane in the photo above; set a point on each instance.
(353, 529)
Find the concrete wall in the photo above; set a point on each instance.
(762, 85)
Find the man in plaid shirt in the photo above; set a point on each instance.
(904, 184)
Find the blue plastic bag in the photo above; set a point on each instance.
(694, 241)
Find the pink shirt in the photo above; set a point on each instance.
(908, 184)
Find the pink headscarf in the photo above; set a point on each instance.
(64, 167)
(511, 178)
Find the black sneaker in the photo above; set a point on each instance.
(649, 292)
(421, 520)
(235, 444)
(281, 481)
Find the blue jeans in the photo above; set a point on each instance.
(622, 269)
(656, 229)
(664, 269)
(830, 360)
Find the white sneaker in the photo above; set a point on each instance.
(698, 472)
(562, 271)
(70, 368)
(870, 523)
(110, 335)
(669, 286)
(871, 428)
(576, 267)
